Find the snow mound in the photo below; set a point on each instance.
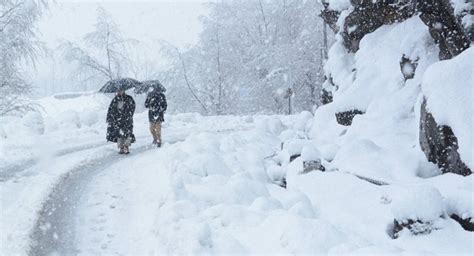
(310, 153)
(271, 124)
(419, 203)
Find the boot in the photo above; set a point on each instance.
(126, 150)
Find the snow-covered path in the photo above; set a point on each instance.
(116, 214)
(55, 229)
(94, 207)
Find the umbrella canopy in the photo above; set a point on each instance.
(116, 85)
(146, 85)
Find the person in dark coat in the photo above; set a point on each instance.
(156, 104)
(120, 121)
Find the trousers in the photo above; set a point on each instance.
(155, 129)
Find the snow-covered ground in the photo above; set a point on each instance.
(213, 188)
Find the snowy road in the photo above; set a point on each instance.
(79, 217)
(54, 231)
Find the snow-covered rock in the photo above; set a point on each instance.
(419, 203)
(449, 83)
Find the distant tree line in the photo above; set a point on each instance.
(260, 56)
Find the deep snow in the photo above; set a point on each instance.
(213, 189)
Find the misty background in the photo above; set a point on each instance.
(214, 57)
(148, 21)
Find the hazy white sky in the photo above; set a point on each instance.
(173, 21)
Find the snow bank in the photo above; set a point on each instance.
(382, 141)
(450, 83)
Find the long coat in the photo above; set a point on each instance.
(120, 118)
(156, 104)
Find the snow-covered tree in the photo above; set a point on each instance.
(18, 46)
(251, 52)
(104, 53)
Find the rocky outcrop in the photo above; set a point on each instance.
(368, 15)
(444, 27)
(440, 145)
(345, 118)
(437, 142)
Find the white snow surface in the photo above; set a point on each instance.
(213, 189)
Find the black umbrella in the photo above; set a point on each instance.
(121, 84)
(153, 84)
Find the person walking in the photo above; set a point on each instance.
(120, 121)
(156, 104)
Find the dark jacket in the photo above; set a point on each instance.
(120, 118)
(156, 104)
